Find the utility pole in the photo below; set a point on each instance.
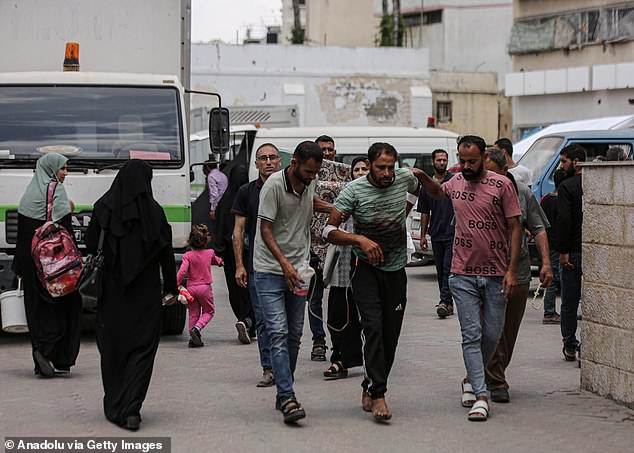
(422, 19)
(398, 41)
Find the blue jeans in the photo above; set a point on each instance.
(260, 326)
(570, 296)
(481, 308)
(550, 298)
(284, 319)
(443, 252)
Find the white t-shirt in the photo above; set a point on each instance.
(522, 174)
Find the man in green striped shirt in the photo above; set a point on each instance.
(378, 205)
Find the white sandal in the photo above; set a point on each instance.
(468, 397)
(479, 412)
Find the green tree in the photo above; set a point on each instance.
(297, 33)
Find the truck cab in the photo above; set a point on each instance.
(98, 121)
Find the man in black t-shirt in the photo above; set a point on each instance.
(549, 206)
(569, 222)
(441, 230)
(245, 209)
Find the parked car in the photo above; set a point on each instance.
(542, 159)
(414, 145)
(592, 124)
(420, 256)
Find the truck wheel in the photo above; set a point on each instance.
(174, 319)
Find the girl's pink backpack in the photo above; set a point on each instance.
(57, 259)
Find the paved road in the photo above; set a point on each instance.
(206, 399)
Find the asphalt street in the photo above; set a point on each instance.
(206, 399)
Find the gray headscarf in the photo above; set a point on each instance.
(33, 202)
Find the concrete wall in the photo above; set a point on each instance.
(328, 23)
(607, 333)
(618, 52)
(472, 36)
(330, 85)
(531, 111)
(475, 102)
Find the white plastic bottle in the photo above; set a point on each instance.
(305, 273)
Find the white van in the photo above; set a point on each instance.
(414, 145)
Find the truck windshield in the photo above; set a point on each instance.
(91, 125)
(540, 154)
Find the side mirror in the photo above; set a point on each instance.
(219, 130)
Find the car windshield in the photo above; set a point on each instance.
(422, 161)
(90, 124)
(540, 153)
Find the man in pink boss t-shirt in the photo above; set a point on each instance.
(487, 226)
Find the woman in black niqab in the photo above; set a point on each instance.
(137, 241)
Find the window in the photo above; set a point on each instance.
(429, 17)
(91, 123)
(572, 30)
(443, 112)
(540, 154)
(432, 17)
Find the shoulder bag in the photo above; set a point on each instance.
(90, 282)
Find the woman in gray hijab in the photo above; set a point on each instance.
(54, 324)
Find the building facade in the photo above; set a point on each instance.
(468, 58)
(466, 39)
(571, 60)
(349, 23)
(334, 86)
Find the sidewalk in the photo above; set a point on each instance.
(206, 399)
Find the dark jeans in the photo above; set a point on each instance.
(315, 304)
(570, 297)
(495, 371)
(346, 342)
(443, 253)
(239, 297)
(550, 298)
(380, 297)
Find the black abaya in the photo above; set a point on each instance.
(129, 314)
(239, 297)
(54, 324)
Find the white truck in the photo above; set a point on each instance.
(127, 101)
